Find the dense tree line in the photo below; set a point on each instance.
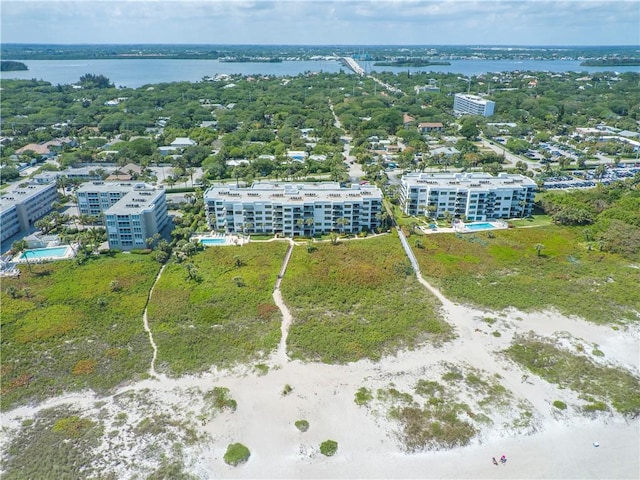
(612, 213)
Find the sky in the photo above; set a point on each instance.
(323, 22)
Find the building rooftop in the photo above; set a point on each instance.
(467, 180)
(473, 98)
(140, 197)
(292, 192)
(20, 194)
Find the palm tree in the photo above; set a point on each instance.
(20, 246)
(539, 248)
(309, 223)
(342, 222)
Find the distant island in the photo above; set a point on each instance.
(611, 62)
(251, 59)
(11, 66)
(409, 63)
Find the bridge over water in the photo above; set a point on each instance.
(352, 65)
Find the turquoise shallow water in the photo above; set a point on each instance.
(44, 252)
(479, 226)
(212, 241)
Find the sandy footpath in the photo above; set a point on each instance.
(554, 444)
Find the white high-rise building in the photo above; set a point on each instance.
(289, 209)
(477, 196)
(464, 103)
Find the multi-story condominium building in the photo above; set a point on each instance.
(477, 196)
(21, 207)
(291, 209)
(463, 103)
(96, 197)
(133, 211)
(81, 174)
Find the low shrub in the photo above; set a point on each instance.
(596, 407)
(236, 454)
(579, 373)
(329, 448)
(560, 405)
(363, 396)
(287, 390)
(302, 425)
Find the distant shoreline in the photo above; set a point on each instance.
(12, 66)
(611, 62)
(409, 63)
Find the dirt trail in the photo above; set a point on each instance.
(145, 320)
(281, 353)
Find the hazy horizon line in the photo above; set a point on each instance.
(505, 45)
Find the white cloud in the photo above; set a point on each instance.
(322, 21)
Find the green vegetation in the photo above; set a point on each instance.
(505, 270)
(219, 399)
(560, 405)
(611, 62)
(433, 415)
(335, 295)
(236, 454)
(302, 425)
(11, 66)
(72, 330)
(287, 390)
(611, 384)
(329, 448)
(363, 396)
(433, 427)
(57, 444)
(213, 322)
(534, 221)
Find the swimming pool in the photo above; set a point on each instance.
(213, 241)
(38, 253)
(479, 226)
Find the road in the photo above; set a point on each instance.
(355, 169)
(511, 158)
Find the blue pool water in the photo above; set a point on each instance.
(479, 226)
(56, 252)
(213, 241)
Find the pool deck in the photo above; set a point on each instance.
(461, 228)
(69, 254)
(229, 239)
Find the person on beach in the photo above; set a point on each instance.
(503, 459)
(495, 462)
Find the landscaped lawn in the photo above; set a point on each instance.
(357, 299)
(74, 326)
(227, 316)
(506, 271)
(535, 221)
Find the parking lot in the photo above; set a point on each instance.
(588, 178)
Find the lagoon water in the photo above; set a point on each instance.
(135, 73)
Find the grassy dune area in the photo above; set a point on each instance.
(357, 299)
(503, 268)
(599, 385)
(67, 326)
(223, 314)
